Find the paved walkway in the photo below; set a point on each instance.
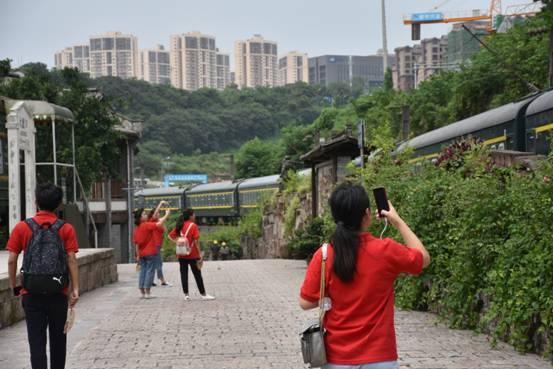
(254, 323)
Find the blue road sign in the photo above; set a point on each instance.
(427, 17)
(201, 178)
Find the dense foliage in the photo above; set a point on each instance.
(184, 123)
(488, 232)
(97, 151)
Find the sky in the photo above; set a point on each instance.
(33, 30)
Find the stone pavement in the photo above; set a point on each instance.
(254, 323)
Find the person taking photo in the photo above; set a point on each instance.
(361, 271)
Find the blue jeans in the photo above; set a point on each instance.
(147, 269)
(379, 365)
(159, 264)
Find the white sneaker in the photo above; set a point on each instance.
(207, 297)
(186, 297)
(166, 284)
(148, 296)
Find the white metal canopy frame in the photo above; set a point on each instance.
(43, 111)
(22, 116)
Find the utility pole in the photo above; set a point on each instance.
(384, 39)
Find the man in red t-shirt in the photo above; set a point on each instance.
(359, 283)
(46, 310)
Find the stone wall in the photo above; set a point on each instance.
(274, 242)
(97, 267)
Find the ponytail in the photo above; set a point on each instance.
(345, 242)
(348, 204)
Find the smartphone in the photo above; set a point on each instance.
(381, 199)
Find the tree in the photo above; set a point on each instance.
(257, 158)
(5, 67)
(96, 140)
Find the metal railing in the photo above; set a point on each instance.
(86, 209)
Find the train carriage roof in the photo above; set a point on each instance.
(463, 127)
(223, 186)
(163, 191)
(266, 181)
(543, 103)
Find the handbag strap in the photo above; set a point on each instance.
(322, 286)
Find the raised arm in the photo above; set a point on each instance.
(410, 238)
(158, 208)
(164, 218)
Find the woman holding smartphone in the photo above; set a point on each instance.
(361, 270)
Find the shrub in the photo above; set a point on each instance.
(489, 233)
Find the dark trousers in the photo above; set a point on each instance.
(46, 312)
(184, 263)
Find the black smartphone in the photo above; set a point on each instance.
(381, 199)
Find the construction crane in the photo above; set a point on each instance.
(494, 10)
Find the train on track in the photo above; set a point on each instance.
(525, 125)
(213, 203)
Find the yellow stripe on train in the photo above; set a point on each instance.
(547, 127)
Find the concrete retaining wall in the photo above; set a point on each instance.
(97, 267)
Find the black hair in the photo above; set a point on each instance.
(348, 204)
(138, 216)
(185, 216)
(48, 196)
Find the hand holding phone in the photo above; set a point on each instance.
(381, 200)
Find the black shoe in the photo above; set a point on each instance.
(154, 285)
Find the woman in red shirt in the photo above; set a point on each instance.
(361, 270)
(146, 248)
(153, 217)
(185, 226)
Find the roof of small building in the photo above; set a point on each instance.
(41, 110)
(343, 145)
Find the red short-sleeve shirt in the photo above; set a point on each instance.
(144, 237)
(193, 237)
(22, 234)
(360, 324)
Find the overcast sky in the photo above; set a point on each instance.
(33, 30)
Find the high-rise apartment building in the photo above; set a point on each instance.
(193, 61)
(461, 45)
(408, 58)
(292, 68)
(367, 71)
(223, 70)
(256, 62)
(64, 58)
(114, 54)
(154, 66)
(81, 58)
(432, 58)
(74, 57)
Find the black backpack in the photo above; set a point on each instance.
(44, 268)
